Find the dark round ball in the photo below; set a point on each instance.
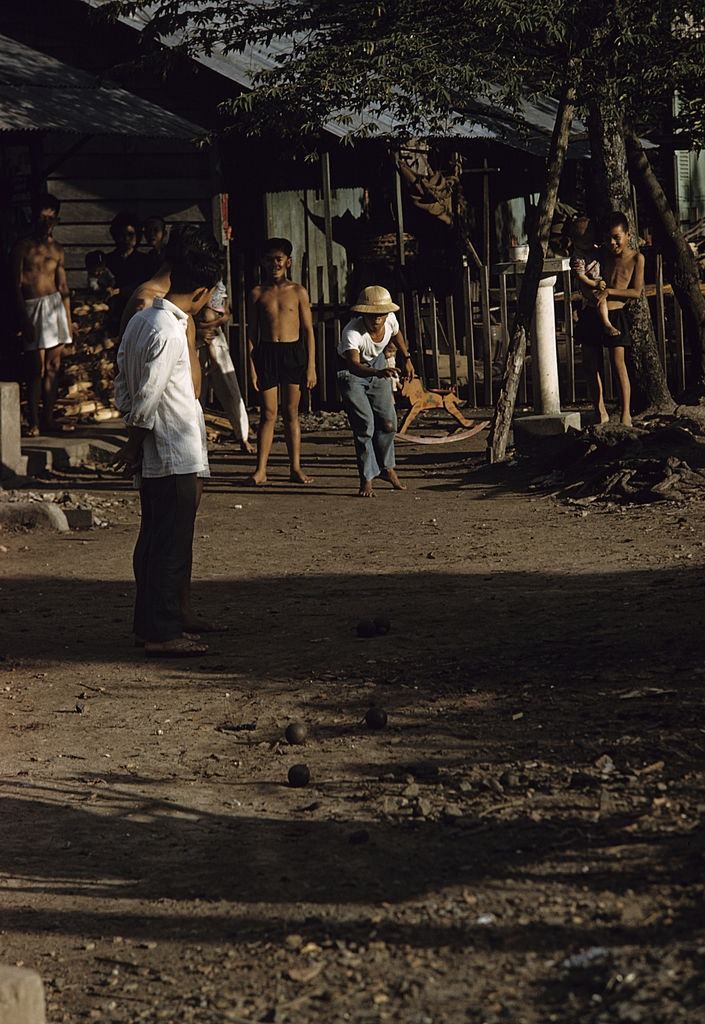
(366, 627)
(376, 718)
(296, 733)
(299, 776)
(382, 624)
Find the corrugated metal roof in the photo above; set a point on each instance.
(529, 129)
(40, 93)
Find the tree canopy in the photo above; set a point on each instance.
(424, 65)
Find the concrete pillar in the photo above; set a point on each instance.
(21, 996)
(548, 399)
(10, 441)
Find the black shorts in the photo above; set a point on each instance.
(280, 362)
(589, 329)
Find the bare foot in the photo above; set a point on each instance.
(366, 489)
(256, 480)
(297, 476)
(604, 415)
(391, 476)
(32, 432)
(626, 419)
(178, 648)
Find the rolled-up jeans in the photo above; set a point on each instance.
(369, 404)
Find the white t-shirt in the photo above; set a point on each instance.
(355, 337)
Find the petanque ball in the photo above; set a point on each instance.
(382, 625)
(296, 733)
(366, 628)
(299, 776)
(376, 718)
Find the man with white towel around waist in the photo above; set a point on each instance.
(44, 306)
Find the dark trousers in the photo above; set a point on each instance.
(162, 557)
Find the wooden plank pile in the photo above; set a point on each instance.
(88, 370)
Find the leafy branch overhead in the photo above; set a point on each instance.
(422, 66)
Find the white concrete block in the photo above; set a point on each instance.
(21, 996)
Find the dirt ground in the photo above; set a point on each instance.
(523, 843)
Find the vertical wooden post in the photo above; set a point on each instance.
(328, 222)
(680, 348)
(418, 331)
(452, 349)
(243, 354)
(660, 312)
(486, 335)
(399, 213)
(486, 215)
(434, 338)
(321, 361)
(306, 262)
(469, 334)
(320, 291)
(401, 302)
(569, 340)
(504, 313)
(337, 331)
(607, 376)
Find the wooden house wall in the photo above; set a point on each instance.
(285, 217)
(164, 177)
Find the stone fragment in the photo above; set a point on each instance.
(21, 996)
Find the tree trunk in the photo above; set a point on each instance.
(504, 410)
(613, 192)
(686, 277)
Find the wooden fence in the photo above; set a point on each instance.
(460, 340)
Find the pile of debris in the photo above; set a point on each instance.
(662, 459)
(86, 389)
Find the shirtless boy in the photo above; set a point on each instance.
(278, 310)
(44, 307)
(624, 277)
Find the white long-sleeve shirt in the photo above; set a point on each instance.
(154, 391)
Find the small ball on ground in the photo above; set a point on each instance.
(382, 624)
(366, 628)
(296, 733)
(299, 776)
(376, 718)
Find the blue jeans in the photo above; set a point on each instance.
(369, 404)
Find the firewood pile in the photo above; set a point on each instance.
(659, 460)
(88, 369)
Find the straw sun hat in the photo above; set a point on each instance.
(374, 299)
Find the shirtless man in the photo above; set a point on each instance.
(44, 308)
(278, 310)
(624, 277)
(156, 288)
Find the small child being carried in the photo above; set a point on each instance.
(585, 264)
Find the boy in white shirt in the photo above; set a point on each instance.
(166, 446)
(366, 385)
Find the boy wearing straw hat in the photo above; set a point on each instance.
(366, 385)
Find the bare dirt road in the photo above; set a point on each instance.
(523, 843)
